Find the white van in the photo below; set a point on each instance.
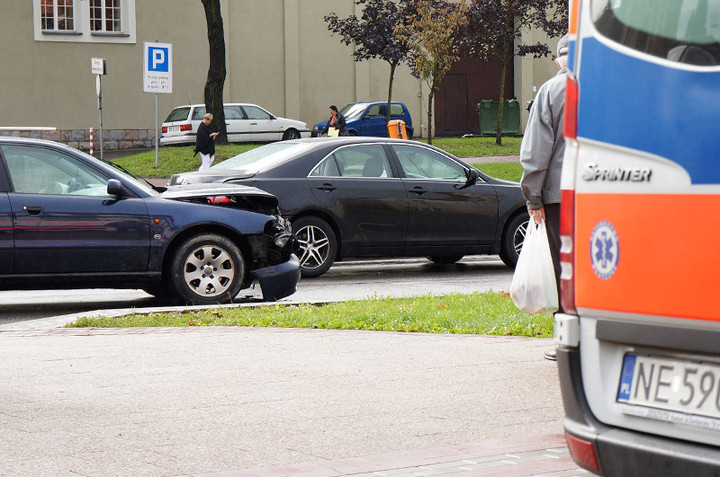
(639, 354)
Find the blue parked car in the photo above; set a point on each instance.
(368, 118)
(68, 220)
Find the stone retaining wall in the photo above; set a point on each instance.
(113, 139)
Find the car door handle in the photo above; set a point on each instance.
(327, 187)
(33, 209)
(253, 124)
(418, 190)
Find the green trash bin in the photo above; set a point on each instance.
(488, 114)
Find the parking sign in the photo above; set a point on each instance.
(157, 67)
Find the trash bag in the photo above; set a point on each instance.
(533, 288)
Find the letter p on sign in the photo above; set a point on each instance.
(159, 60)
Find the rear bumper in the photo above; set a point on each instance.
(278, 281)
(172, 140)
(621, 452)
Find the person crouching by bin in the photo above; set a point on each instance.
(205, 142)
(336, 125)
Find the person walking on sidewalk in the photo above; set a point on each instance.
(336, 123)
(205, 142)
(541, 155)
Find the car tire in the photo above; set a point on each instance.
(445, 259)
(207, 269)
(291, 134)
(513, 238)
(318, 246)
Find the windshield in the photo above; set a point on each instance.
(263, 157)
(686, 31)
(352, 110)
(121, 171)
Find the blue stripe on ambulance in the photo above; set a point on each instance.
(628, 102)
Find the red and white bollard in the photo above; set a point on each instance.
(91, 142)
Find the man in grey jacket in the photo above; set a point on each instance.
(541, 155)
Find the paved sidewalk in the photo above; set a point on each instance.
(213, 401)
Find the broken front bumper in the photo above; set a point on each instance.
(278, 281)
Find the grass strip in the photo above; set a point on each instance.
(487, 313)
(509, 171)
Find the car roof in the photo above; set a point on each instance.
(224, 104)
(376, 102)
(36, 142)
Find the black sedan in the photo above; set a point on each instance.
(375, 197)
(68, 220)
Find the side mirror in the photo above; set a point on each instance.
(471, 177)
(116, 188)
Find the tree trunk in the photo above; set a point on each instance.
(213, 93)
(501, 99)
(390, 86)
(429, 114)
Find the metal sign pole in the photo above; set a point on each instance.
(98, 85)
(157, 137)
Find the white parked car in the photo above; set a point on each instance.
(245, 123)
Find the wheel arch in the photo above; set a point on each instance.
(330, 221)
(287, 132)
(510, 218)
(239, 240)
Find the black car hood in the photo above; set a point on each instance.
(229, 195)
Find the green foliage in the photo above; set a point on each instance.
(486, 313)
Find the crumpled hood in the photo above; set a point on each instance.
(206, 190)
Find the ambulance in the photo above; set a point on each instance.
(639, 334)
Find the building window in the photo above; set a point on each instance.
(57, 15)
(105, 15)
(91, 21)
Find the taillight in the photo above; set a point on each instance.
(164, 129)
(567, 252)
(186, 127)
(582, 451)
(567, 227)
(571, 105)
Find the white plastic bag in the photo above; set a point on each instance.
(533, 287)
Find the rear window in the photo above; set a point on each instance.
(686, 31)
(178, 114)
(396, 110)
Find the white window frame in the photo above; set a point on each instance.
(56, 11)
(82, 32)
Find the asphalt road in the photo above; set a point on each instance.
(345, 281)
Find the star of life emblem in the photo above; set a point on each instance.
(604, 250)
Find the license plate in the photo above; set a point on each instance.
(173, 128)
(680, 388)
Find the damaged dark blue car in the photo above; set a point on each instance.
(68, 220)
